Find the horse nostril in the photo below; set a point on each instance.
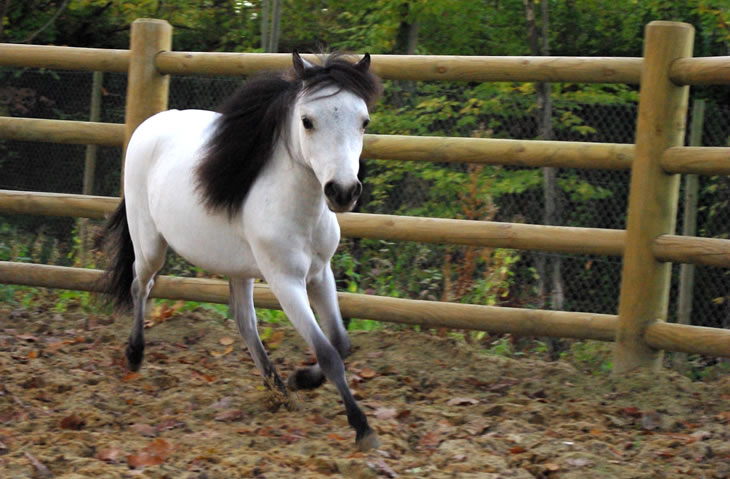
(357, 191)
(330, 190)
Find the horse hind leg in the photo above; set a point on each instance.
(145, 269)
(243, 311)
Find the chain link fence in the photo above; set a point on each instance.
(585, 198)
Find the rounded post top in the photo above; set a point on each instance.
(150, 20)
(669, 24)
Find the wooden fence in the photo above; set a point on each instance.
(648, 244)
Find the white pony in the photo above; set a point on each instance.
(251, 193)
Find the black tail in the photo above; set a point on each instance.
(117, 281)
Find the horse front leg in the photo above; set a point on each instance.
(291, 292)
(244, 313)
(323, 297)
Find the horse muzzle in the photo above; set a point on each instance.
(342, 198)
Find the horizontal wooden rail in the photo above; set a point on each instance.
(61, 131)
(689, 339)
(520, 153)
(701, 71)
(429, 314)
(56, 204)
(525, 153)
(688, 71)
(559, 239)
(423, 67)
(693, 250)
(700, 160)
(517, 153)
(64, 58)
(388, 227)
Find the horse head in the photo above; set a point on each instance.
(329, 120)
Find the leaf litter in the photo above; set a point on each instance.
(441, 408)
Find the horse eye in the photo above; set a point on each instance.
(307, 123)
(365, 123)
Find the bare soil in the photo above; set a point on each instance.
(442, 408)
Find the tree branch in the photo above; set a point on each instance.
(48, 23)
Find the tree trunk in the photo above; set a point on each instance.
(270, 25)
(275, 27)
(550, 280)
(406, 39)
(265, 16)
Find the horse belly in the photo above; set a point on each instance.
(210, 241)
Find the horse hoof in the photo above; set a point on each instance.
(134, 357)
(368, 441)
(306, 378)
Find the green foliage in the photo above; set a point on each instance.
(594, 357)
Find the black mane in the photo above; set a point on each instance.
(252, 119)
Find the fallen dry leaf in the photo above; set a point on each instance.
(144, 429)
(222, 403)
(227, 340)
(217, 354)
(631, 411)
(73, 422)
(275, 340)
(578, 461)
(367, 373)
(430, 440)
(229, 415)
(161, 313)
(205, 377)
(381, 468)
(463, 402)
(27, 337)
(152, 454)
(131, 376)
(110, 455)
(384, 413)
(169, 424)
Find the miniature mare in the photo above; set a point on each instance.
(251, 193)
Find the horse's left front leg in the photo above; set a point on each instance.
(291, 292)
(323, 297)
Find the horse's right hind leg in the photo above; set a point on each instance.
(145, 268)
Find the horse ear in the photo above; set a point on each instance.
(364, 63)
(300, 64)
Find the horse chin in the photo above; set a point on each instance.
(335, 208)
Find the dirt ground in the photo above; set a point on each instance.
(442, 408)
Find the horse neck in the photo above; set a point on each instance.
(298, 185)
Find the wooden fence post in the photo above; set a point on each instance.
(90, 164)
(147, 89)
(653, 195)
